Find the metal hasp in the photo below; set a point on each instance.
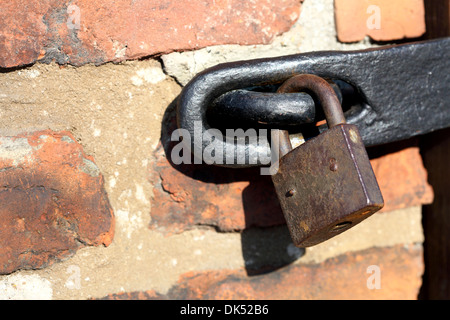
(326, 185)
(404, 91)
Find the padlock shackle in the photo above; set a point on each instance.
(326, 95)
(322, 90)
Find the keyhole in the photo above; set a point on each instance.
(341, 226)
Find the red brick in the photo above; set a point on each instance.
(397, 19)
(341, 278)
(402, 179)
(53, 201)
(122, 29)
(186, 196)
(190, 195)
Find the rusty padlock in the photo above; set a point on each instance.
(326, 185)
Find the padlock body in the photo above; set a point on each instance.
(326, 186)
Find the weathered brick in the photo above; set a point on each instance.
(186, 196)
(402, 179)
(52, 200)
(80, 32)
(189, 195)
(382, 20)
(345, 277)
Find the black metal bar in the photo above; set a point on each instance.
(264, 106)
(405, 91)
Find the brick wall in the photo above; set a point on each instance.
(92, 206)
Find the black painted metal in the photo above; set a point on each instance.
(264, 106)
(404, 91)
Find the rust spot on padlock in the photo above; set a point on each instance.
(333, 164)
(290, 193)
(326, 185)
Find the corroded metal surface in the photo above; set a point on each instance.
(326, 185)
